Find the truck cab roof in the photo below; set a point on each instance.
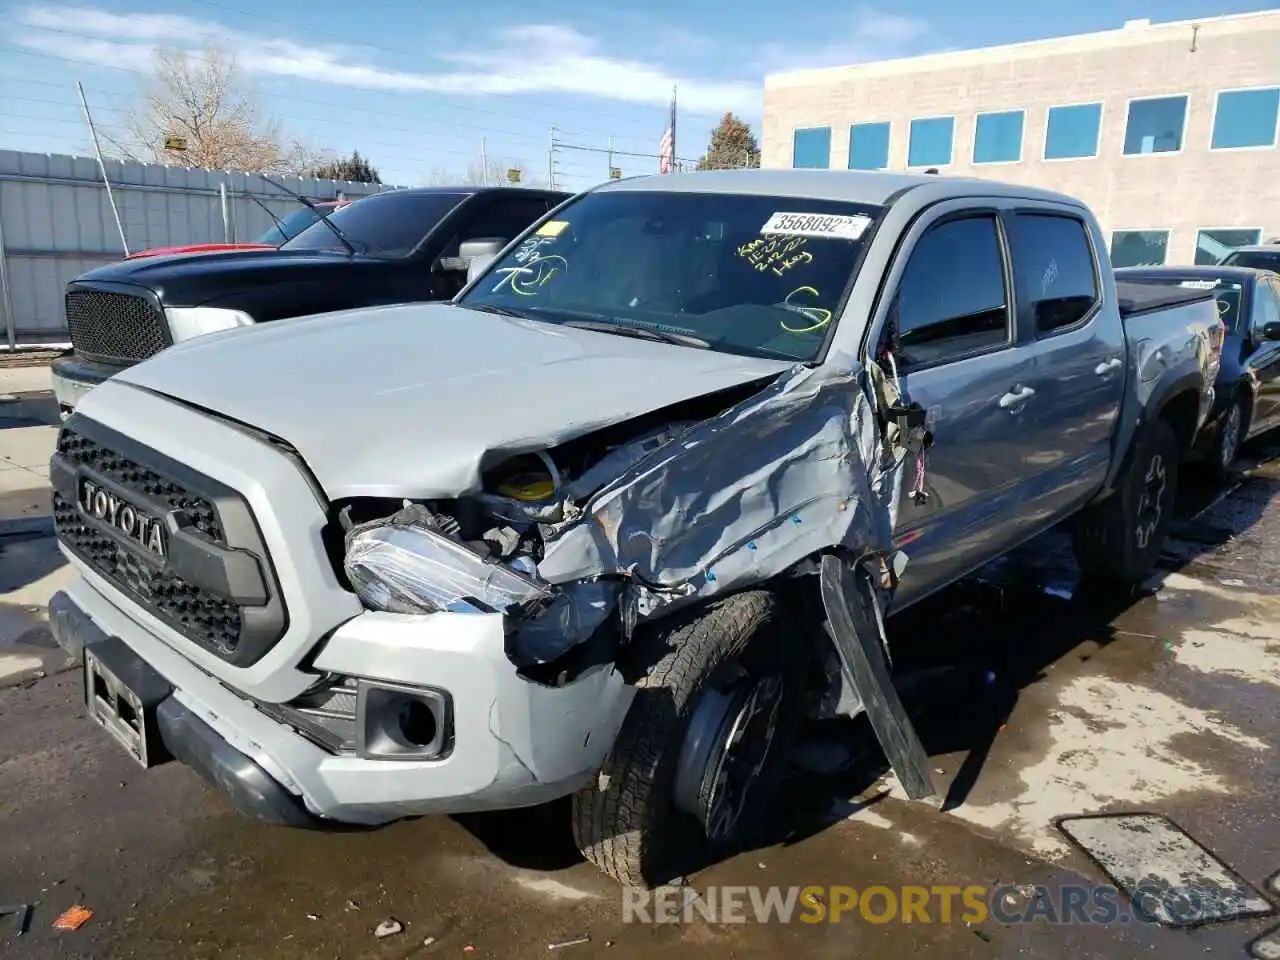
(852, 186)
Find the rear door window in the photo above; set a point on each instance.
(1055, 269)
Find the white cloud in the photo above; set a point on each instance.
(872, 24)
(872, 35)
(525, 59)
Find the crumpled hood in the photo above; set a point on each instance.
(414, 400)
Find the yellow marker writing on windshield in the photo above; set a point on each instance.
(819, 315)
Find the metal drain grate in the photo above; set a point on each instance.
(1169, 878)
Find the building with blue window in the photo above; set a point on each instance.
(1169, 131)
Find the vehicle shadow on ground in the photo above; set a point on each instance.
(974, 649)
(961, 661)
(963, 657)
(33, 409)
(27, 558)
(1207, 521)
(537, 838)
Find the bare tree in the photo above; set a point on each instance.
(492, 172)
(197, 111)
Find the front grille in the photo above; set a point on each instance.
(214, 523)
(115, 327)
(79, 449)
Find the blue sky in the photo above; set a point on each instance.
(416, 85)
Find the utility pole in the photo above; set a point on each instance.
(609, 172)
(484, 163)
(106, 182)
(551, 160)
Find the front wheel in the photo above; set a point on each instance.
(1120, 539)
(703, 747)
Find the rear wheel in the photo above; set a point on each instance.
(704, 745)
(1120, 539)
(1226, 446)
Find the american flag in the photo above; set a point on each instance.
(667, 148)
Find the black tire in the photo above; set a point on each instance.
(1120, 539)
(1226, 445)
(626, 821)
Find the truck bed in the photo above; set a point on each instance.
(1138, 297)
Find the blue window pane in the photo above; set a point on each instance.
(1073, 131)
(812, 148)
(1213, 245)
(1155, 126)
(869, 146)
(998, 137)
(930, 143)
(1139, 248)
(1246, 118)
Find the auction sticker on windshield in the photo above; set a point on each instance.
(552, 228)
(815, 225)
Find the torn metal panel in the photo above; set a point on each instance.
(857, 629)
(797, 469)
(572, 616)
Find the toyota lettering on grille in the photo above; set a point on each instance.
(122, 516)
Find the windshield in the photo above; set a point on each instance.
(289, 226)
(754, 275)
(390, 224)
(1259, 259)
(1228, 294)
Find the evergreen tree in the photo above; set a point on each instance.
(732, 146)
(354, 168)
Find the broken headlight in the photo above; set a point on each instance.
(400, 568)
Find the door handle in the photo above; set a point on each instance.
(1106, 366)
(1016, 397)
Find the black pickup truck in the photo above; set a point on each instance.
(393, 247)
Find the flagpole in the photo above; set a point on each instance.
(673, 128)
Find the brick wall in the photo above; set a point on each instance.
(1183, 192)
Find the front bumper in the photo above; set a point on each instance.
(516, 743)
(73, 377)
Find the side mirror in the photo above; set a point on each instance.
(479, 253)
(482, 250)
(1271, 331)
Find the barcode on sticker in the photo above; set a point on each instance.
(815, 225)
(1199, 284)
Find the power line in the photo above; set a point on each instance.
(437, 104)
(560, 144)
(115, 132)
(328, 105)
(385, 153)
(415, 54)
(415, 131)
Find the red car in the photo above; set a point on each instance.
(288, 227)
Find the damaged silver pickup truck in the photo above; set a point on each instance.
(618, 518)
